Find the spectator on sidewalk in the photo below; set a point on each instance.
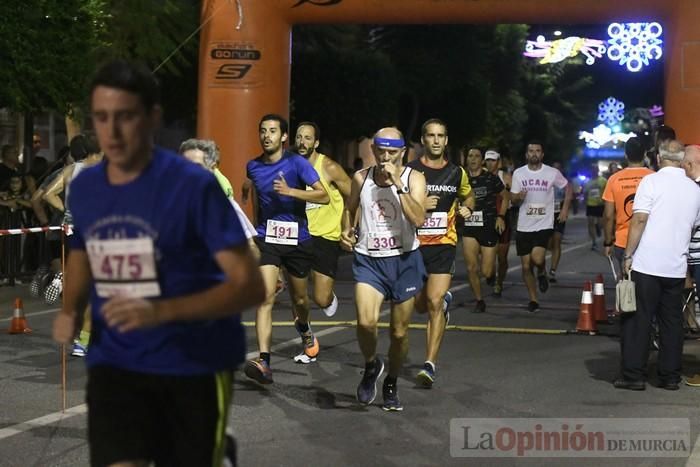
(619, 197)
(666, 208)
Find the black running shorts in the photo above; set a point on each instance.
(165, 419)
(326, 253)
(526, 241)
(295, 258)
(439, 259)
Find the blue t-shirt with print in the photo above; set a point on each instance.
(298, 173)
(157, 235)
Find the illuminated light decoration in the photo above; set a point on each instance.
(602, 136)
(656, 111)
(611, 111)
(560, 49)
(634, 44)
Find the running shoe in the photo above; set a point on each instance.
(367, 389)
(552, 276)
(480, 307)
(543, 282)
(426, 377)
(446, 306)
(52, 294)
(259, 371)
(39, 281)
(497, 290)
(391, 398)
(533, 307)
(304, 359)
(79, 350)
(490, 281)
(332, 308)
(308, 341)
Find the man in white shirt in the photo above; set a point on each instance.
(533, 190)
(666, 207)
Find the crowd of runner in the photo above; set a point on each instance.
(401, 221)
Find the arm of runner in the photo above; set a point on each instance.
(56, 188)
(75, 296)
(608, 227)
(38, 207)
(413, 202)
(517, 192)
(502, 210)
(340, 179)
(316, 195)
(347, 235)
(568, 195)
(466, 196)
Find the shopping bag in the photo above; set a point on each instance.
(625, 295)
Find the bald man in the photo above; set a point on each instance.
(388, 264)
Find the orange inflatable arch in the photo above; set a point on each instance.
(245, 53)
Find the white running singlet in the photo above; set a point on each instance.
(384, 229)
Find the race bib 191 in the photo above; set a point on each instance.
(476, 219)
(124, 267)
(282, 233)
(435, 224)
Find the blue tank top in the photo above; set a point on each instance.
(157, 236)
(298, 173)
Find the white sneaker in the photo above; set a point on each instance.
(332, 308)
(304, 359)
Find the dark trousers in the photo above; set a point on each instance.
(661, 297)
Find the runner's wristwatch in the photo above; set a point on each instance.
(404, 190)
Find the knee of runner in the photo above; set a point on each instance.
(435, 303)
(300, 301)
(399, 333)
(366, 324)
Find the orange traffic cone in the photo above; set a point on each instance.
(599, 311)
(586, 320)
(18, 325)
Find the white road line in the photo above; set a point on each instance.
(42, 421)
(35, 313)
(82, 408)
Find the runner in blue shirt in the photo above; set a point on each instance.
(165, 282)
(283, 183)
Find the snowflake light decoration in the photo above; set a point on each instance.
(634, 44)
(611, 111)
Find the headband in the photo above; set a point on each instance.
(389, 142)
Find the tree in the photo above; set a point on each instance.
(49, 49)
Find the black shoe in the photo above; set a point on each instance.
(490, 281)
(631, 385)
(543, 282)
(533, 307)
(669, 386)
(552, 277)
(480, 307)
